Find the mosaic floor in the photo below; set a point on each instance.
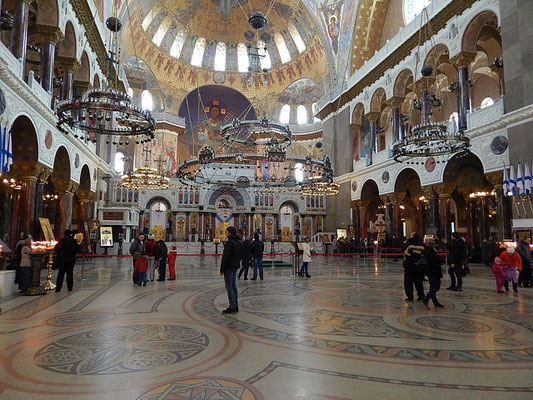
(345, 333)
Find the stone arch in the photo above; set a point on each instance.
(379, 96)
(96, 81)
(474, 29)
(24, 140)
(62, 169)
(369, 190)
(85, 178)
(435, 57)
(465, 170)
(67, 47)
(47, 13)
(358, 114)
(403, 80)
(160, 198)
(291, 204)
(408, 181)
(82, 77)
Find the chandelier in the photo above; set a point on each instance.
(320, 188)
(145, 178)
(256, 133)
(108, 111)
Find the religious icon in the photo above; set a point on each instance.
(170, 162)
(47, 229)
(210, 128)
(333, 31)
(106, 236)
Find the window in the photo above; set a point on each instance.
(161, 31)
(265, 61)
(220, 57)
(314, 108)
(285, 114)
(487, 101)
(301, 115)
(300, 45)
(119, 162)
(177, 45)
(242, 58)
(198, 52)
(284, 54)
(455, 118)
(149, 18)
(130, 92)
(147, 102)
(411, 8)
(299, 172)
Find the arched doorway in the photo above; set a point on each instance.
(289, 222)
(372, 211)
(156, 218)
(411, 205)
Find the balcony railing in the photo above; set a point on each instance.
(161, 117)
(483, 116)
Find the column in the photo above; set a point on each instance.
(65, 190)
(42, 177)
(471, 233)
(70, 66)
(396, 200)
(372, 119)
(462, 61)
(420, 214)
(84, 198)
(82, 86)
(19, 33)
(432, 211)
(14, 225)
(444, 190)
(388, 215)
(141, 222)
(355, 220)
(51, 36)
(503, 207)
(395, 103)
(497, 68)
(363, 206)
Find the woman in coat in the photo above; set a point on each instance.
(25, 266)
(434, 274)
(306, 258)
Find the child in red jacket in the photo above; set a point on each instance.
(141, 266)
(513, 264)
(172, 254)
(499, 273)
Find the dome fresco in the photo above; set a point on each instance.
(303, 91)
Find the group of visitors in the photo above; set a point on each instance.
(252, 254)
(149, 254)
(513, 266)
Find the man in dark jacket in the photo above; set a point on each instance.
(258, 248)
(524, 251)
(231, 258)
(137, 247)
(151, 245)
(161, 253)
(246, 258)
(413, 269)
(458, 254)
(66, 250)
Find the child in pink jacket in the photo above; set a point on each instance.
(498, 269)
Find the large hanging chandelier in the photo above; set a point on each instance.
(320, 188)
(145, 178)
(256, 133)
(108, 111)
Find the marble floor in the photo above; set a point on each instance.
(345, 333)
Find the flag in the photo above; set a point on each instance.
(7, 152)
(512, 180)
(506, 183)
(2, 148)
(528, 180)
(519, 179)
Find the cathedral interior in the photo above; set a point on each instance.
(331, 131)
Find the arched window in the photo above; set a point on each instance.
(314, 108)
(220, 57)
(130, 92)
(411, 8)
(158, 206)
(285, 114)
(301, 115)
(119, 162)
(299, 172)
(150, 17)
(455, 118)
(242, 58)
(265, 61)
(147, 103)
(487, 101)
(300, 45)
(161, 31)
(198, 52)
(177, 45)
(284, 54)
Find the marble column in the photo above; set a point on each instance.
(84, 198)
(19, 33)
(6, 199)
(363, 207)
(471, 233)
(141, 222)
(462, 61)
(396, 200)
(70, 66)
(372, 118)
(432, 222)
(395, 103)
(420, 206)
(15, 216)
(355, 221)
(503, 206)
(444, 190)
(65, 189)
(51, 36)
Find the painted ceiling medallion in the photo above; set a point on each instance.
(430, 164)
(354, 186)
(48, 139)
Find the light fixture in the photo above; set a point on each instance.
(145, 178)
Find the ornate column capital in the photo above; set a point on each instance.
(396, 198)
(385, 199)
(373, 116)
(64, 186)
(463, 59)
(429, 192)
(444, 189)
(30, 170)
(69, 63)
(395, 101)
(50, 34)
(361, 204)
(465, 192)
(44, 174)
(425, 83)
(356, 128)
(496, 179)
(85, 196)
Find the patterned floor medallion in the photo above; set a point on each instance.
(121, 350)
(203, 389)
(80, 319)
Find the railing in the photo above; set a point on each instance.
(161, 117)
(306, 128)
(485, 115)
(12, 63)
(37, 89)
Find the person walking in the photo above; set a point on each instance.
(151, 245)
(257, 249)
(231, 258)
(524, 251)
(499, 273)
(458, 253)
(246, 258)
(25, 266)
(66, 250)
(306, 259)
(413, 270)
(161, 253)
(136, 249)
(513, 264)
(172, 255)
(434, 274)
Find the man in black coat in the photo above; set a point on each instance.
(458, 254)
(231, 258)
(246, 258)
(413, 270)
(66, 250)
(161, 253)
(258, 248)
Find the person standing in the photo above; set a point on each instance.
(434, 274)
(151, 245)
(306, 259)
(413, 272)
(231, 259)
(257, 248)
(246, 257)
(25, 266)
(141, 266)
(137, 248)
(513, 264)
(458, 253)
(66, 251)
(524, 251)
(161, 253)
(172, 255)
